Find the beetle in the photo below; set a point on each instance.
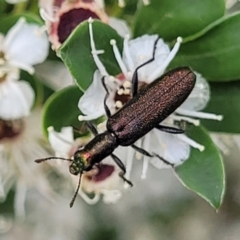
(145, 111)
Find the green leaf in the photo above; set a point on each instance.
(204, 172)
(225, 99)
(76, 52)
(3, 5)
(174, 18)
(61, 109)
(215, 54)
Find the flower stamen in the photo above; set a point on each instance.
(199, 114)
(118, 58)
(118, 104)
(195, 122)
(191, 142)
(127, 84)
(164, 65)
(127, 91)
(129, 60)
(96, 52)
(120, 91)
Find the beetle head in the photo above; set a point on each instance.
(79, 163)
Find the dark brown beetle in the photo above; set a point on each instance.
(145, 111)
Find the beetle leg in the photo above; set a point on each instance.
(172, 130)
(79, 130)
(135, 74)
(122, 167)
(92, 128)
(77, 190)
(108, 113)
(144, 152)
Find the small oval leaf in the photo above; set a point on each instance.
(225, 99)
(61, 109)
(204, 172)
(76, 52)
(174, 18)
(216, 53)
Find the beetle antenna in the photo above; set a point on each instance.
(76, 192)
(50, 158)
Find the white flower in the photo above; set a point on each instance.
(24, 46)
(135, 53)
(20, 144)
(174, 148)
(16, 97)
(63, 16)
(103, 179)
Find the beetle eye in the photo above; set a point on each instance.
(73, 170)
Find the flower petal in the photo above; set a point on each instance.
(91, 103)
(16, 99)
(141, 50)
(199, 97)
(62, 141)
(169, 147)
(25, 44)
